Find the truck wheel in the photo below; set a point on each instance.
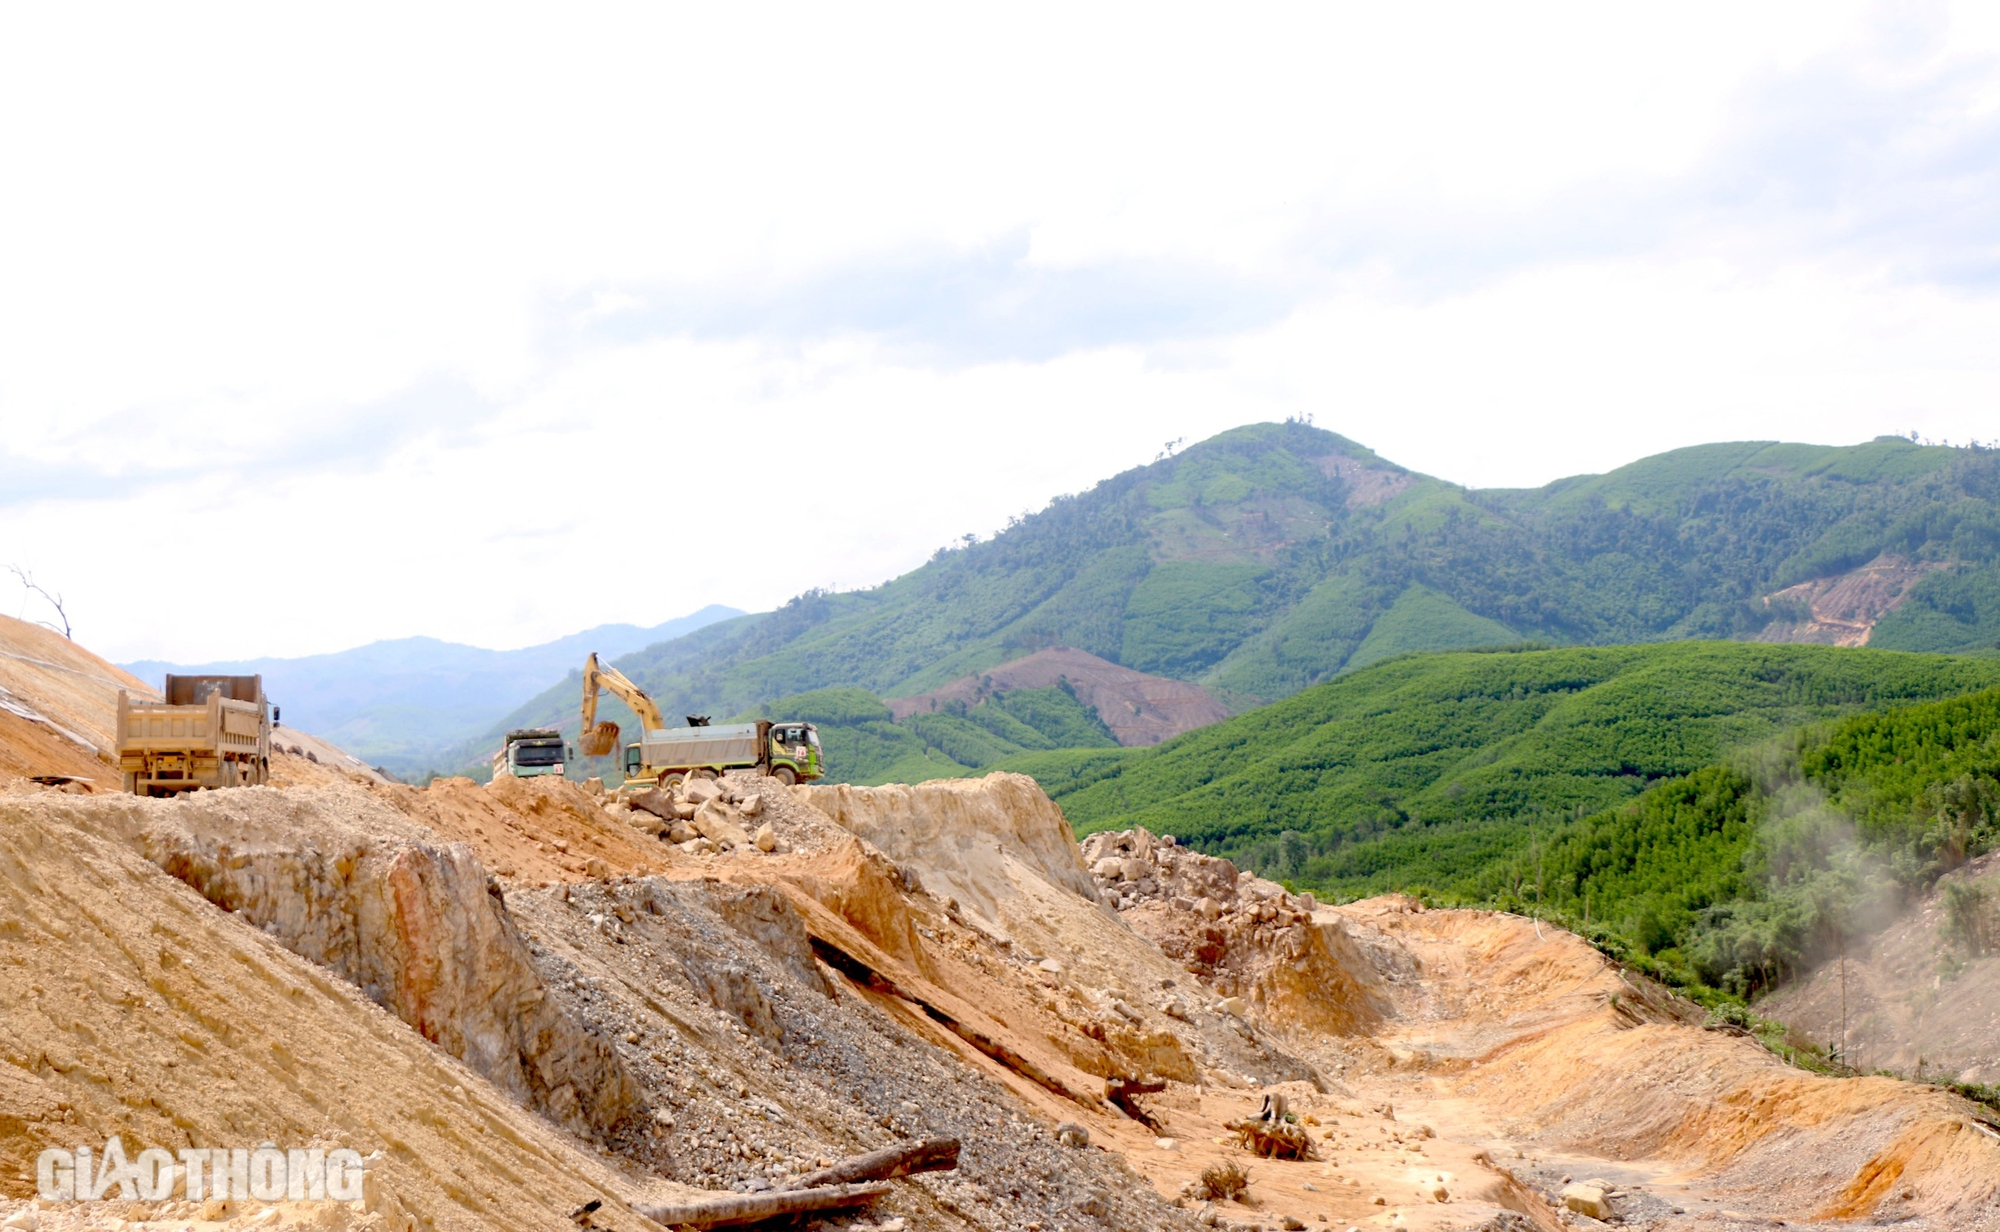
(704, 773)
(671, 779)
(784, 774)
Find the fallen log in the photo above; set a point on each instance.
(928, 1155)
(755, 1208)
(866, 976)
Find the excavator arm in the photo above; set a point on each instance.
(597, 738)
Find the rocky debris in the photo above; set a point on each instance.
(1588, 1198)
(767, 1066)
(1255, 943)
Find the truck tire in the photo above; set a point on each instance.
(704, 773)
(785, 775)
(670, 779)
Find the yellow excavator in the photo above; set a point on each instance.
(599, 739)
(788, 752)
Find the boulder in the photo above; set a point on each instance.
(1588, 1200)
(654, 801)
(767, 838)
(714, 823)
(700, 790)
(1208, 908)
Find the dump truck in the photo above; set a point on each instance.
(787, 751)
(528, 752)
(207, 731)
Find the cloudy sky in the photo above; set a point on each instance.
(358, 323)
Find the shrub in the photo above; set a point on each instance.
(1221, 1181)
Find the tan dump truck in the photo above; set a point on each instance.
(210, 731)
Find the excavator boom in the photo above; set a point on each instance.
(597, 738)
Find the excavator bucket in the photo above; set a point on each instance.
(600, 740)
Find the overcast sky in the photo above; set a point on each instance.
(319, 326)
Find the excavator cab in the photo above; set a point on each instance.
(634, 758)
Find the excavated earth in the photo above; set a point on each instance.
(518, 999)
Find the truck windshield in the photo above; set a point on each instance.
(812, 737)
(537, 754)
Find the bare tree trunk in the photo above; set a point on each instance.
(929, 1155)
(754, 1208)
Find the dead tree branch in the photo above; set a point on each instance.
(54, 601)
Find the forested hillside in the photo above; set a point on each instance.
(1277, 556)
(1410, 764)
(1745, 873)
(1701, 808)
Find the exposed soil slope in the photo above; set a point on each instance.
(129, 1005)
(1923, 992)
(1138, 708)
(1844, 609)
(58, 705)
(525, 999)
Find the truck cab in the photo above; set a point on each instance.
(530, 752)
(795, 745)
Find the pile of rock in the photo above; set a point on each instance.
(1255, 944)
(701, 816)
(1133, 868)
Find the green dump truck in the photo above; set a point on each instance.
(788, 752)
(528, 752)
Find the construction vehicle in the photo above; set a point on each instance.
(529, 752)
(788, 752)
(207, 731)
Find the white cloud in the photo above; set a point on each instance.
(448, 297)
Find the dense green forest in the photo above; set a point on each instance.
(1277, 556)
(1721, 814)
(1445, 751)
(1743, 873)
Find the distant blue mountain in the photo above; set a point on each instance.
(402, 704)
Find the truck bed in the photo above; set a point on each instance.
(734, 744)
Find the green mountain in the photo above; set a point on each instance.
(1392, 773)
(1277, 556)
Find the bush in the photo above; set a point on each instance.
(1224, 1181)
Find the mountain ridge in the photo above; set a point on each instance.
(1275, 556)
